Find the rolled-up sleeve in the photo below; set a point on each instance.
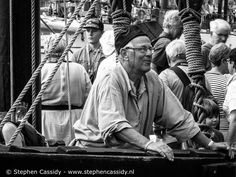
(171, 114)
(111, 117)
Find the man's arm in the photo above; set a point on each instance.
(201, 139)
(232, 128)
(131, 136)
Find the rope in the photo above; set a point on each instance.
(44, 86)
(33, 62)
(38, 70)
(124, 5)
(67, 68)
(196, 69)
(121, 21)
(11, 49)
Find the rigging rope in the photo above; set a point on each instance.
(44, 86)
(38, 70)
(196, 69)
(67, 66)
(33, 61)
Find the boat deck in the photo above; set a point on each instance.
(94, 161)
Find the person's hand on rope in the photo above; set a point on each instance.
(190, 10)
(118, 4)
(161, 148)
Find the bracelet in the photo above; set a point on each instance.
(147, 144)
(210, 143)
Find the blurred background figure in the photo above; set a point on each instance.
(230, 100)
(64, 98)
(141, 17)
(219, 32)
(91, 54)
(172, 29)
(108, 46)
(218, 77)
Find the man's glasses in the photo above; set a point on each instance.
(143, 49)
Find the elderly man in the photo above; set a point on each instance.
(124, 103)
(219, 30)
(175, 52)
(91, 55)
(172, 29)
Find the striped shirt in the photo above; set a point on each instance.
(218, 86)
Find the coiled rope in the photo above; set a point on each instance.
(44, 86)
(196, 69)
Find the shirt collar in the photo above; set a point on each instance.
(90, 49)
(130, 83)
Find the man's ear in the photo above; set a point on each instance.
(123, 52)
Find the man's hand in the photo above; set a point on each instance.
(219, 145)
(161, 148)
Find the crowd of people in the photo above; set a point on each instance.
(120, 88)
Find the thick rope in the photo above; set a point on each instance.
(38, 70)
(44, 86)
(196, 68)
(33, 62)
(121, 21)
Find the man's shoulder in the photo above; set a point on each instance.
(162, 39)
(77, 53)
(152, 76)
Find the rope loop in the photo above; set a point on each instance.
(189, 14)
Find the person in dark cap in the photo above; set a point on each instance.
(91, 55)
(124, 102)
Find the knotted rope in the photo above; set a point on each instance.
(44, 86)
(196, 68)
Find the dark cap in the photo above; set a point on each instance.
(124, 38)
(94, 23)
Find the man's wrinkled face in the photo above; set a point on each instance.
(139, 52)
(93, 35)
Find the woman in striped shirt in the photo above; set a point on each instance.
(218, 77)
